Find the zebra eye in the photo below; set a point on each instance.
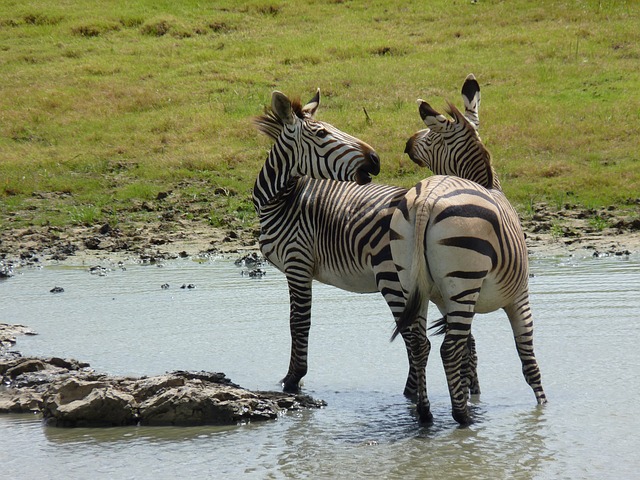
(321, 133)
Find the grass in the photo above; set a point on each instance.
(106, 104)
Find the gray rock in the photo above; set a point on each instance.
(69, 393)
(79, 403)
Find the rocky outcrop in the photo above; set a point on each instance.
(69, 393)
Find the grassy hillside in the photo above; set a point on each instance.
(103, 105)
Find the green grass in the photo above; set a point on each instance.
(110, 103)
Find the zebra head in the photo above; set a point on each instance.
(453, 146)
(309, 147)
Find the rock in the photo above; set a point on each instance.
(79, 403)
(6, 269)
(70, 394)
(250, 260)
(206, 405)
(8, 334)
(92, 243)
(22, 366)
(19, 401)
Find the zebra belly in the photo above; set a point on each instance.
(357, 282)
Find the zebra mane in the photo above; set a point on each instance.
(271, 125)
(485, 155)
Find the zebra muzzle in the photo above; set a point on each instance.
(372, 167)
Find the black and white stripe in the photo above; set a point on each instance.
(321, 219)
(459, 243)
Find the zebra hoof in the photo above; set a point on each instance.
(462, 417)
(411, 394)
(425, 417)
(290, 387)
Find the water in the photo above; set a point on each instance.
(587, 330)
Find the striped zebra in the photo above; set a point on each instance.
(314, 227)
(321, 218)
(428, 148)
(459, 244)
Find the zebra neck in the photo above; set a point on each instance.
(273, 181)
(496, 182)
(485, 176)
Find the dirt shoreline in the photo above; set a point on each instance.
(570, 231)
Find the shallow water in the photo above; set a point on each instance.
(587, 314)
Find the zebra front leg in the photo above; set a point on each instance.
(519, 314)
(455, 355)
(299, 325)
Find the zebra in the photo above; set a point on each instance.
(428, 148)
(315, 225)
(459, 244)
(321, 218)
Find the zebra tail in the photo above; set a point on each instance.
(440, 326)
(419, 274)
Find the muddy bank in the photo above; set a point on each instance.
(566, 230)
(69, 393)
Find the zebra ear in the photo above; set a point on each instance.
(281, 106)
(471, 98)
(457, 115)
(433, 119)
(310, 108)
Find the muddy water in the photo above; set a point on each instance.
(587, 314)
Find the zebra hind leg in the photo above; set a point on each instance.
(471, 371)
(454, 352)
(420, 349)
(470, 365)
(411, 385)
(519, 314)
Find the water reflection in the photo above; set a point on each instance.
(132, 434)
